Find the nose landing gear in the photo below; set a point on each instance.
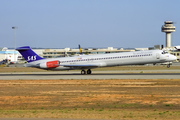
(84, 72)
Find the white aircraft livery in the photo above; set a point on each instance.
(88, 62)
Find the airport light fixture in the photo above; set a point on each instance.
(14, 40)
(14, 36)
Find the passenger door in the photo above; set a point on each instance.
(157, 55)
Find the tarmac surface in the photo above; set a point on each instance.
(42, 119)
(130, 74)
(121, 74)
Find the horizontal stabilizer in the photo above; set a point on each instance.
(23, 48)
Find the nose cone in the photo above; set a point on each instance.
(173, 58)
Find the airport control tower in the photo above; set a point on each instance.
(168, 28)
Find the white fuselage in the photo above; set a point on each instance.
(106, 60)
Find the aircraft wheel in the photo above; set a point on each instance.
(89, 71)
(168, 66)
(83, 72)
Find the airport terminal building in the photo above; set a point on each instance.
(50, 53)
(68, 52)
(11, 55)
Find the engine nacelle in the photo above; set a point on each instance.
(50, 64)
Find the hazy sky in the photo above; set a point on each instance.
(91, 23)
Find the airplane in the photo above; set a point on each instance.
(88, 62)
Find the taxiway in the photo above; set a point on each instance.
(147, 74)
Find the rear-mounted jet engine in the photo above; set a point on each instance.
(50, 64)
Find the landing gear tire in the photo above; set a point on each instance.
(89, 71)
(83, 72)
(168, 66)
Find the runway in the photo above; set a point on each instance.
(48, 119)
(43, 119)
(158, 74)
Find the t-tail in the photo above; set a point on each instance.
(80, 51)
(28, 54)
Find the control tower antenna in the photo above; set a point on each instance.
(168, 28)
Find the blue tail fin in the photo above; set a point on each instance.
(28, 54)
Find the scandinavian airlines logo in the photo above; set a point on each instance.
(31, 58)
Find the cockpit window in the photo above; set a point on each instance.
(165, 52)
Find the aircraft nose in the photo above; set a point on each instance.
(173, 57)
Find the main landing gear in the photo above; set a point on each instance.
(168, 66)
(84, 72)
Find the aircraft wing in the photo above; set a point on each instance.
(81, 66)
